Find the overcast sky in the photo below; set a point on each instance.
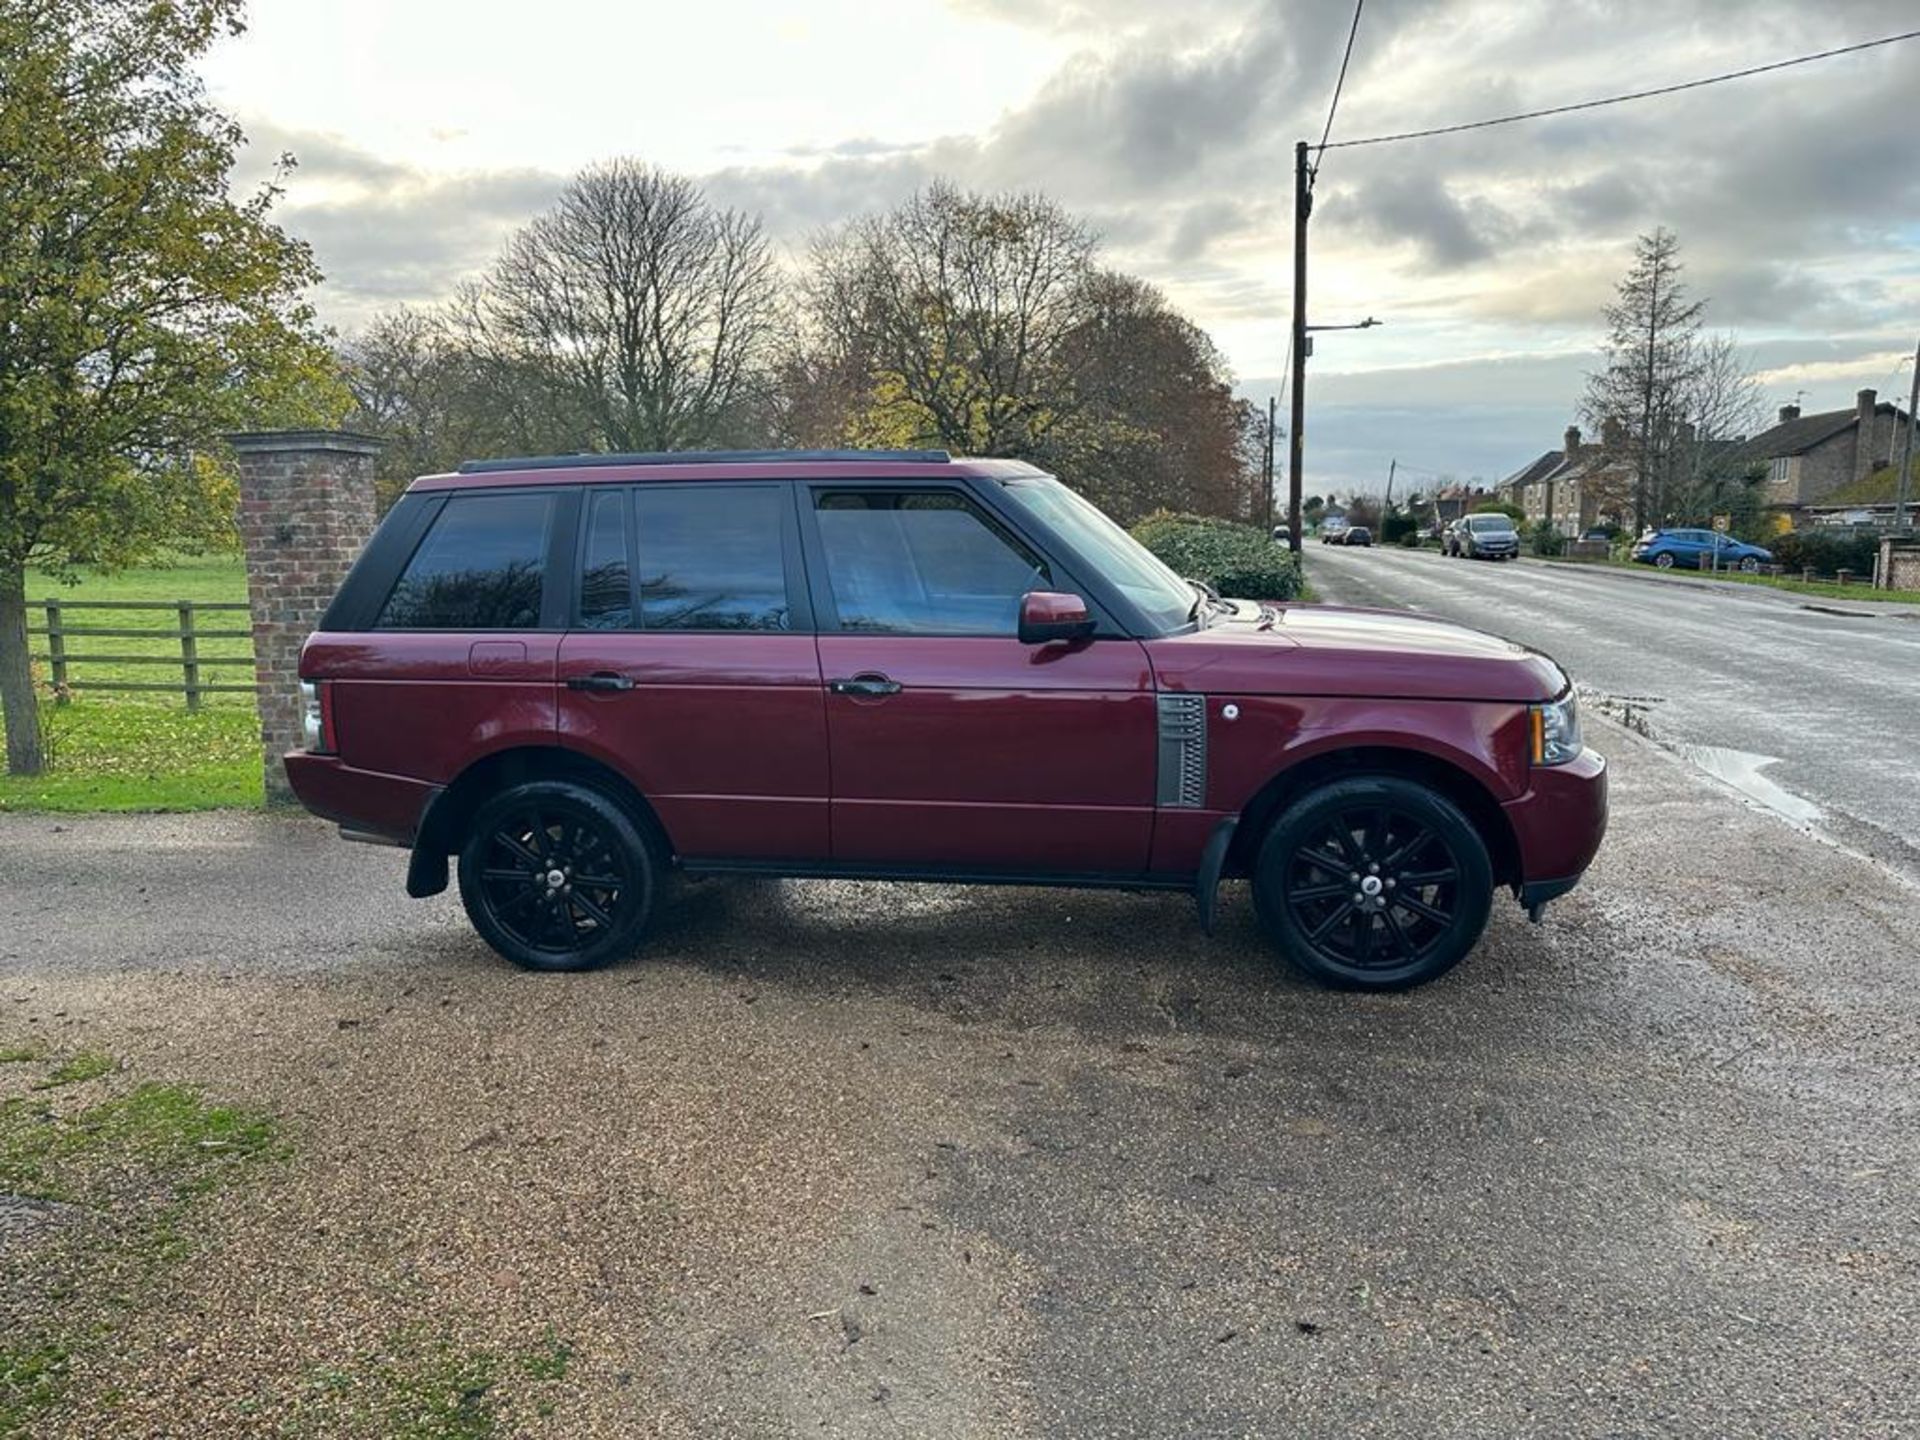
(425, 131)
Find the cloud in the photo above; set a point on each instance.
(384, 233)
(1171, 129)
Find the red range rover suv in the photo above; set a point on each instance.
(572, 675)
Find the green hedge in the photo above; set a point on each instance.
(1827, 551)
(1237, 560)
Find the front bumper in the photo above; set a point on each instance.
(1558, 826)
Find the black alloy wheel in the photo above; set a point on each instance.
(1374, 883)
(557, 876)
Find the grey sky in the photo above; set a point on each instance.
(425, 132)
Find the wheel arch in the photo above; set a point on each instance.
(443, 827)
(1460, 786)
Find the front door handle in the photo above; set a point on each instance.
(865, 685)
(600, 680)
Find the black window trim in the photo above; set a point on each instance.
(792, 564)
(827, 612)
(583, 538)
(363, 594)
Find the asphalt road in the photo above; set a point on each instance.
(865, 1160)
(1813, 712)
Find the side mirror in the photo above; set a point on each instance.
(1046, 616)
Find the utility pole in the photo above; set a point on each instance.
(1268, 470)
(1905, 477)
(1392, 465)
(1302, 207)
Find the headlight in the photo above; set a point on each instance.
(1556, 731)
(313, 719)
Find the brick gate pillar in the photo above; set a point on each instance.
(306, 508)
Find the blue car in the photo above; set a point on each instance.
(1699, 550)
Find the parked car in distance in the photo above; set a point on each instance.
(1699, 550)
(1357, 535)
(1333, 532)
(1488, 536)
(565, 678)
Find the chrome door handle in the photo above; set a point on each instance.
(865, 685)
(600, 680)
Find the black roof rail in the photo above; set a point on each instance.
(701, 457)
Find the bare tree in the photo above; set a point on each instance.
(646, 315)
(1719, 405)
(956, 306)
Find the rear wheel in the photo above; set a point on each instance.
(1374, 883)
(557, 876)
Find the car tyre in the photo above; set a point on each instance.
(609, 873)
(1750, 566)
(1418, 864)
(1664, 560)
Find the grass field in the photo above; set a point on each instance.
(117, 751)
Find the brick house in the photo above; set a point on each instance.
(1572, 489)
(1808, 457)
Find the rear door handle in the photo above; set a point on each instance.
(865, 685)
(600, 680)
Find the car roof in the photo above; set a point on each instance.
(703, 465)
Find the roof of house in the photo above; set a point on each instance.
(1534, 472)
(1874, 489)
(1802, 433)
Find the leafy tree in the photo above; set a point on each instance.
(142, 310)
(956, 309)
(985, 325)
(1153, 422)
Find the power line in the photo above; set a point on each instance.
(1352, 30)
(1611, 99)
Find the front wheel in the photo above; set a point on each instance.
(1750, 566)
(557, 876)
(1664, 560)
(1373, 883)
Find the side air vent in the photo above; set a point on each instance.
(1183, 752)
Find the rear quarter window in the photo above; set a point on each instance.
(481, 567)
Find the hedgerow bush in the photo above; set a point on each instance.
(1827, 551)
(1238, 560)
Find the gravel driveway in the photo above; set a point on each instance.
(882, 1160)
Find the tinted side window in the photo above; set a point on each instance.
(606, 587)
(481, 567)
(711, 557)
(923, 563)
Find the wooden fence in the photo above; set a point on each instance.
(179, 648)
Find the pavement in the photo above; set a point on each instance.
(1806, 704)
(873, 1160)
